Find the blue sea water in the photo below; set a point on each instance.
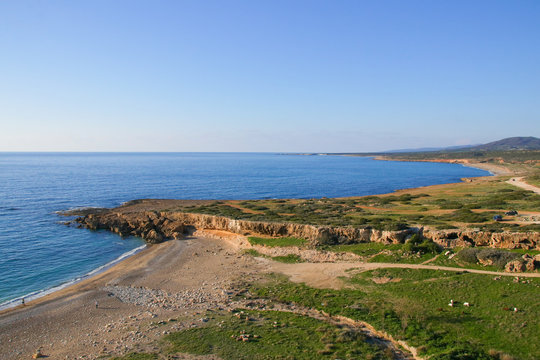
(38, 253)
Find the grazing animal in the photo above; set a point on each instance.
(466, 304)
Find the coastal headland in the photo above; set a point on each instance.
(340, 272)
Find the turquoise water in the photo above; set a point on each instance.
(38, 253)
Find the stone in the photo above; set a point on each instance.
(153, 237)
(515, 266)
(38, 354)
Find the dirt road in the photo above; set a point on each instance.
(518, 181)
(327, 275)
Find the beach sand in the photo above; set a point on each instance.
(178, 278)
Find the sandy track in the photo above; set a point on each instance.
(518, 181)
(326, 275)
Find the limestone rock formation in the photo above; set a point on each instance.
(515, 266)
(156, 227)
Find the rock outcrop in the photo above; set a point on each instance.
(151, 226)
(526, 263)
(155, 227)
(503, 240)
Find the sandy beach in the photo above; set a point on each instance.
(172, 279)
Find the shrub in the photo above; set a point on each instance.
(424, 246)
(467, 216)
(498, 258)
(451, 205)
(463, 352)
(468, 255)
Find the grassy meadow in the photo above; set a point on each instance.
(463, 205)
(412, 305)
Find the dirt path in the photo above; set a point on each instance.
(518, 181)
(431, 260)
(327, 275)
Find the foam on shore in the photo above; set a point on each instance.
(40, 293)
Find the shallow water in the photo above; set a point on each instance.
(38, 253)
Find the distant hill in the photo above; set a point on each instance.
(449, 148)
(512, 143)
(511, 150)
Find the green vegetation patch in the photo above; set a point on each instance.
(363, 249)
(273, 242)
(509, 156)
(289, 259)
(496, 257)
(273, 335)
(444, 207)
(415, 250)
(412, 305)
(417, 244)
(534, 178)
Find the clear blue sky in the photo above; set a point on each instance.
(266, 75)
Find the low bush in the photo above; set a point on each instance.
(467, 216)
(423, 246)
(273, 242)
(288, 259)
(498, 258)
(468, 255)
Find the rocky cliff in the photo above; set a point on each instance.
(155, 227)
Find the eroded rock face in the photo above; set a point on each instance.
(155, 227)
(503, 240)
(515, 266)
(152, 227)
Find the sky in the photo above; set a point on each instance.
(266, 75)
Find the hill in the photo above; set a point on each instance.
(508, 150)
(511, 143)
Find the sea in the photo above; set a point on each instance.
(39, 254)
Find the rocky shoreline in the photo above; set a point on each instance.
(155, 227)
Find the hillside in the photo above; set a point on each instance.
(512, 143)
(508, 150)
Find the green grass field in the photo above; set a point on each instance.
(397, 253)
(288, 259)
(467, 204)
(273, 335)
(414, 307)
